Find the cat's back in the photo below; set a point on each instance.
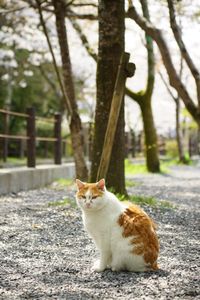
(135, 235)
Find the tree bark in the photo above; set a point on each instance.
(111, 46)
(152, 160)
(75, 121)
(179, 136)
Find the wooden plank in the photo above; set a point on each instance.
(16, 137)
(47, 139)
(12, 113)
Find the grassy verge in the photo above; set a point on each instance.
(151, 201)
(63, 202)
(145, 200)
(13, 162)
(63, 182)
(132, 168)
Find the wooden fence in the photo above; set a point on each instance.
(31, 136)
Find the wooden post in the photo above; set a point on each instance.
(5, 140)
(125, 69)
(31, 134)
(58, 142)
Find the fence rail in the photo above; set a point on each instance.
(31, 136)
(13, 113)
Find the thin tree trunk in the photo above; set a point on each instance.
(111, 46)
(144, 100)
(152, 157)
(179, 136)
(75, 122)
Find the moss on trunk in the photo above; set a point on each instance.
(152, 157)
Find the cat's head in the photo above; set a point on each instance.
(90, 196)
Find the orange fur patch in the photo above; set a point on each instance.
(93, 189)
(138, 224)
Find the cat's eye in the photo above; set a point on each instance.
(94, 197)
(84, 197)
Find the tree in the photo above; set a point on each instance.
(143, 98)
(111, 46)
(75, 121)
(179, 135)
(67, 86)
(174, 78)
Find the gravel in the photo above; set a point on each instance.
(45, 253)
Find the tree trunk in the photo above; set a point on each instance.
(111, 46)
(143, 98)
(152, 158)
(179, 136)
(75, 121)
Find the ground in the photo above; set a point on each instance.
(45, 253)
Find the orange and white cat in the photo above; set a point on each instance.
(124, 234)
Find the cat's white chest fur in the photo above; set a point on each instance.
(101, 226)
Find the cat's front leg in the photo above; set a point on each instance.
(102, 264)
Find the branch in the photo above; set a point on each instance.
(137, 97)
(178, 37)
(174, 79)
(68, 12)
(84, 39)
(167, 86)
(85, 4)
(72, 14)
(150, 54)
(8, 11)
(49, 81)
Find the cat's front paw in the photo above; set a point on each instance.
(98, 267)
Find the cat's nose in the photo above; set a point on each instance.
(88, 205)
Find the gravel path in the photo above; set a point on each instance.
(45, 253)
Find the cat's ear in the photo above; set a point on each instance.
(79, 184)
(101, 184)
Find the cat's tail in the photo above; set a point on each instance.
(155, 266)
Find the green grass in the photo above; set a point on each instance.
(166, 204)
(166, 164)
(63, 182)
(63, 202)
(14, 161)
(131, 183)
(133, 169)
(151, 201)
(145, 200)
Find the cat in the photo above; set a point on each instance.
(123, 233)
